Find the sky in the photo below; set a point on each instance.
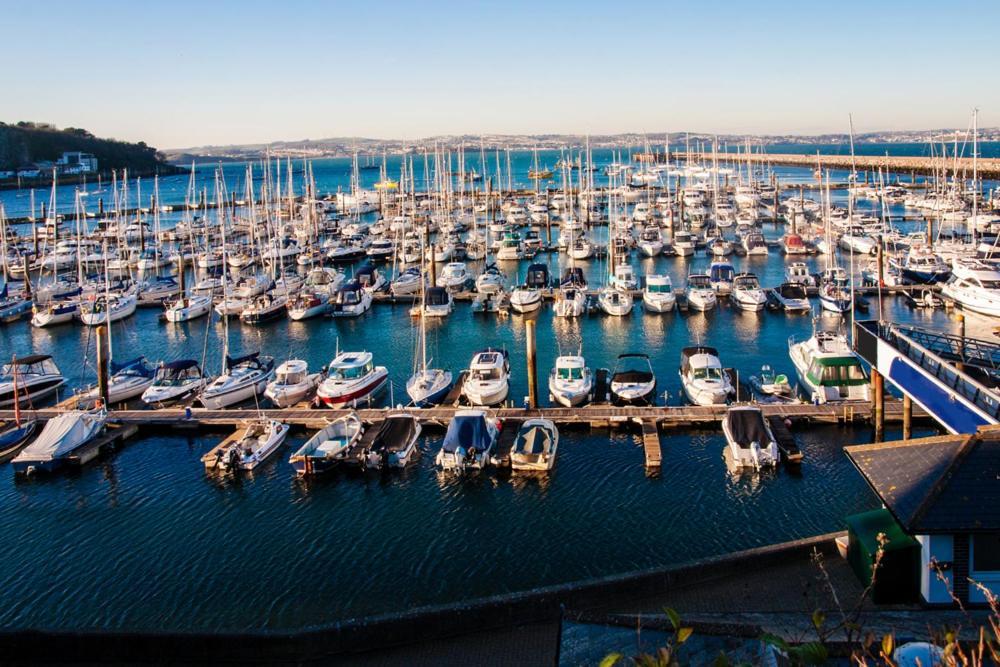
(182, 73)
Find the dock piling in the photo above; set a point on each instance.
(878, 405)
(907, 417)
(102, 363)
(529, 336)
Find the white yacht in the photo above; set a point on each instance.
(243, 378)
(828, 369)
(747, 292)
(658, 295)
(488, 379)
(293, 383)
(453, 276)
(571, 383)
(975, 286)
(699, 292)
(352, 379)
(702, 377)
(37, 377)
(188, 308)
(792, 298)
(352, 300)
(632, 381)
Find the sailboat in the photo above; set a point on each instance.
(14, 436)
(427, 386)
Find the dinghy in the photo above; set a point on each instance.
(327, 447)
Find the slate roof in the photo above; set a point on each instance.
(944, 484)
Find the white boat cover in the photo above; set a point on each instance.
(63, 434)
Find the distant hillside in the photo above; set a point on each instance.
(27, 143)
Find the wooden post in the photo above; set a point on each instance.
(529, 337)
(880, 263)
(907, 417)
(100, 207)
(930, 239)
(961, 344)
(878, 405)
(102, 364)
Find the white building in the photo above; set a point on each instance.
(75, 162)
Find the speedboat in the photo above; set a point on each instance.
(188, 308)
(437, 302)
(792, 298)
(535, 446)
(828, 369)
(491, 280)
(307, 305)
(35, 377)
(633, 382)
(408, 282)
(370, 278)
(62, 436)
(747, 292)
(699, 292)
(174, 381)
(244, 378)
(292, 383)
(352, 379)
(395, 442)
(260, 439)
(352, 300)
(453, 276)
(488, 379)
(721, 275)
(658, 295)
(571, 383)
(650, 241)
(754, 244)
(749, 440)
(702, 378)
(974, 285)
(469, 441)
(327, 447)
(525, 299)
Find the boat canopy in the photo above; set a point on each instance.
(31, 359)
(633, 374)
(437, 296)
(792, 291)
(62, 435)
(395, 430)
(247, 360)
(746, 426)
(468, 431)
(722, 271)
(688, 353)
(180, 364)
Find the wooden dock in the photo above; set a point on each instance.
(651, 444)
(113, 436)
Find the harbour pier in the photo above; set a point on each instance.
(986, 167)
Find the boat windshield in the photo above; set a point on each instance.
(708, 374)
(570, 373)
(348, 372)
(485, 374)
(660, 289)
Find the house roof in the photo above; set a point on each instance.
(942, 484)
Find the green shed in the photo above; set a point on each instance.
(898, 578)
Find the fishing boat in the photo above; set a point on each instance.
(188, 308)
(352, 300)
(257, 442)
(292, 384)
(658, 294)
(174, 381)
(747, 292)
(488, 379)
(571, 383)
(828, 369)
(699, 292)
(469, 442)
(61, 437)
(352, 379)
(30, 379)
(395, 442)
(327, 447)
(242, 378)
(702, 377)
(792, 298)
(749, 440)
(633, 381)
(535, 446)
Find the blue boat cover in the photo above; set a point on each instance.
(180, 364)
(467, 432)
(119, 366)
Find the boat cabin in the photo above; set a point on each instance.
(537, 276)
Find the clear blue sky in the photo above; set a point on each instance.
(179, 73)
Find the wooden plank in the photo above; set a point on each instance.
(651, 443)
(786, 441)
(211, 458)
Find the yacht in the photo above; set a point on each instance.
(827, 369)
(633, 382)
(370, 278)
(174, 381)
(535, 446)
(437, 302)
(921, 265)
(684, 243)
(128, 380)
(857, 241)
(307, 305)
(658, 295)
(721, 275)
(703, 379)
(750, 444)
(352, 300)
(488, 379)
(615, 301)
(798, 272)
(243, 378)
(324, 450)
(188, 308)
(408, 282)
(352, 379)
(975, 286)
(571, 383)
(453, 276)
(292, 384)
(265, 308)
(792, 298)
(650, 241)
(491, 280)
(700, 294)
(469, 442)
(747, 292)
(754, 244)
(36, 376)
(54, 312)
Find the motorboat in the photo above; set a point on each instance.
(974, 285)
(633, 381)
(61, 437)
(771, 384)
(535, 446)
(327, 447)
(798, 272)
(453, 276)
(292, 383)
(658, 294)
(352, 300)
(14, 436)
(828, 369)
(129, 379)
(370, 278)
(265, 308)
(408, 282)
(923, 266)
(174, 381)
(720, 247)
(747, 292)
(257, 442)
(469, 442)
(792, 298)
(243, 378)
(793, 244)
(720, 275)
(323, 281)
(749, 440)
(491, 280)
(700, 293)
(754, 244)
(571, 383)
(437, 302)
(856, 240)
(683, 243)
(624, 278)
(650, 241)
(703, 379)
(488, 379)
(34, 377)
(614, 301)
(188, 308)
(395, 442)
(352, 379)
(251, 285)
